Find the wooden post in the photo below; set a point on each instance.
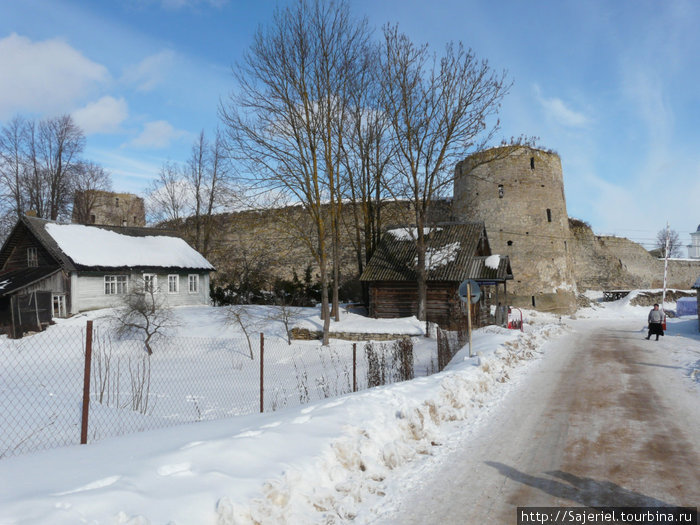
(469, 316)
(262, 374)
(86, 384)
(354, 367)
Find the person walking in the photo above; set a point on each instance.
(656, 318)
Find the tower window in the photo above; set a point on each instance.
(116, 201)
(500, 191)
(549, 215)
(532, 163)
(510, 243)
(92, 218)
(533, 301)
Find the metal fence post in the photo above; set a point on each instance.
(354, 367)
(86, 384)
(262, 383)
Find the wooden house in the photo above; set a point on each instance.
(455, 252)
(51, 270)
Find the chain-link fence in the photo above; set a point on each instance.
(43, 381)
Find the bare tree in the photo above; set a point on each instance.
(89, 180)
(675, 247)
(13, 164)
(168, 195)
(365, 156)
(287, 121)
(241, 316)
(55, 148)
(439, 111)
(145, 312)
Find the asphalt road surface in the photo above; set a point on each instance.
(605, 420)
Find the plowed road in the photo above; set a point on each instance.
(606, 419)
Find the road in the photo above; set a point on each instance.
(606, 419)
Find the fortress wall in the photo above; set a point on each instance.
(604, 262)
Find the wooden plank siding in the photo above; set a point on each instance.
(90, 292)
(391, 299)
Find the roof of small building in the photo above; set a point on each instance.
(80, 247)
(452, 254)
(15, 280)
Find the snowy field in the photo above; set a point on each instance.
(330, 461)
(205, 370)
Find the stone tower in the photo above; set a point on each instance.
(520, 197)
(108, 208)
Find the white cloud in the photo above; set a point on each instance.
(151, 71)
(102, 116)
(560, 112)
(47, 76)
(157, 134)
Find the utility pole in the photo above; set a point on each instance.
(663, 295)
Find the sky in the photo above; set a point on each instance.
(611, 86)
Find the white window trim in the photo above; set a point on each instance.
(113, 281)
(177, 283)
(154, 282)
(189, 283)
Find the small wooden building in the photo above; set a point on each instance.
(51, 270)
(455, 252)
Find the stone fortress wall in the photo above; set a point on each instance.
(519, 194)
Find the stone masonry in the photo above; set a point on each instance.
(519, 194)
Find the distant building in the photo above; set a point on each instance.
(107, 208)
(694, 246)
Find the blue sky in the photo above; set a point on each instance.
(612, 86)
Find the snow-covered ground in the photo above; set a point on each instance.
(325, 462)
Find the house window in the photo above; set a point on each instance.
(173, 283)
(124, 223)
(193, 283)
(32, 257)
(150, 283)
(115, 284)
(549, 215)
(500, 191)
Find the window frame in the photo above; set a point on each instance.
(190, 281)
(153, 288)
(115, 282)
(32, 257)
(176, 281)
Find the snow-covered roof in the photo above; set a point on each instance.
(92, 246)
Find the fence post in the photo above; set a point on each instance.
(262, 382)
(354, 367)
(86, 384)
